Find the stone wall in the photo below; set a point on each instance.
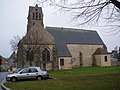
(67, 63)
(22, 62)
(100, 60)
(86, 54)
(115, 63)
(97, 60)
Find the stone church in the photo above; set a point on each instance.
(54, 48)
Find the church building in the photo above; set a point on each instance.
(54, 48)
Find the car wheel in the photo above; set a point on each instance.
(13, 79)
(39, 78)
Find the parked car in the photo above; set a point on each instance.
(27, 73)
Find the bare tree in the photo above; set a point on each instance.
(91, 11)
(14, 42)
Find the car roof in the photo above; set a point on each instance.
(34, 67)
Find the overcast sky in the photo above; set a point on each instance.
(13, 22)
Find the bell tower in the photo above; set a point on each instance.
(35, 15)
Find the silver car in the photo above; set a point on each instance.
(28, 73)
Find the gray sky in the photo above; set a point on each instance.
(13, 22)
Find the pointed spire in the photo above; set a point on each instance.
(36, 5)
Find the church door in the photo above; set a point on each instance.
(44, 66)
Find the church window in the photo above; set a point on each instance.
(105, 58)
(81, 57)
(61, 62)
(46, 55)
(39, 16)
(29, 55)
(33, 15)
(36, 9)
(36, 15)
(33, 23)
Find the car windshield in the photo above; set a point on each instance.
(17, 70)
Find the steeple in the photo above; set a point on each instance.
(35, 15)
(36, 5)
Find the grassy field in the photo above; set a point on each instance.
(90, 78)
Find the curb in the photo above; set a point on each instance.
(4, 87)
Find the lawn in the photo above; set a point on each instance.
(90, 78)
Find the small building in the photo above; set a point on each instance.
(102, 57)
(4, 65)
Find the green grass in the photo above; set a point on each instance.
(90, 78)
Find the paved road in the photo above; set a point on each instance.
(2, 78)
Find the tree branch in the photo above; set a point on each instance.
(116, 3)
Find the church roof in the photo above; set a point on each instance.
(100, 51)
(65, 36)
(37, 35)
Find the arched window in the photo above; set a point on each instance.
(36, 15)
(39, 16)
(105, 58)
(33, 15)
(30, 56)
(81, 58)
(46, 55)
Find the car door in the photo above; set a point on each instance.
(24, 74)
(33, 73)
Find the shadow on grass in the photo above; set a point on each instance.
(26, 80)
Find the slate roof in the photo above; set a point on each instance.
(65, 36)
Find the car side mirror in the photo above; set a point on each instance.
(20, 72)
